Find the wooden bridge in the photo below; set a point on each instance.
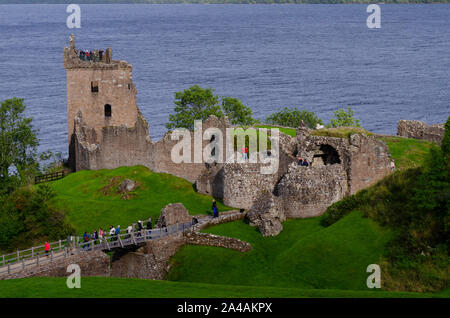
(37, 256)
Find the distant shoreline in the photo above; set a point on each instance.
(80, 2)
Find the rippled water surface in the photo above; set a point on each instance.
(317, 57)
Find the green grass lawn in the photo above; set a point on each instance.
(408, 152)
(304, 255)
(89, 203)
(107, 287)
(288, 131)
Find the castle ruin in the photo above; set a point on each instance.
(106, 130)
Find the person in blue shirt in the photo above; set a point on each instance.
(305, 163)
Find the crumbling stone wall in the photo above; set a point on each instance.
(420, 130)
(150, 261)
(307, 192)
(118, 146)
(267, 213)
(207, 239)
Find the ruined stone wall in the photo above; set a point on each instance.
(365, 159)
(91, 264)
(309, 191)
(243, 183)
(150, 261)
(420, 130)
(207, 239)
(118, 146)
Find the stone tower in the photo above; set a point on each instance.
(100, 91)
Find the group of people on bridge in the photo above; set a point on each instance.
(115, 231)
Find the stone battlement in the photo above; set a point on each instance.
(97, 59)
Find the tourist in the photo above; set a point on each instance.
(87, 55)
(392, 165)
(112, 230)
(215, 209)
(95, 236)
(118, 230)
(100, 233)
(129, 230)
(149, 227)
(305, 163)
(100, 55)
(244, 152)
(91, 56)
(85, 239)
(139, 228)
(299, 161)
(47, 248)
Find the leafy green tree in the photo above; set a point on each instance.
(445, 146)
(18, 143)
(26, 218)
(344, 118)
(195, 103)
(238, 113)
(292, 117)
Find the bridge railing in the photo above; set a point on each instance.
(62, 248)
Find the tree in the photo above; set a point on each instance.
(18, 143)
(292, 117)
(195, 103)
(343, 118)
(445, 145)
(238, 113)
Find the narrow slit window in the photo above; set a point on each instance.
(108, 111)
(94, 87)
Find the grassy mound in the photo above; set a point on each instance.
(304, 255)
(90, 199)
(288, 131)
(408, 152)
(340, 132)
(101, 287)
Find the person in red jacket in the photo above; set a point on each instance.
(47, 248)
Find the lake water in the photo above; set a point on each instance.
(316, 57)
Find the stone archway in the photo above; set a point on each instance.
(326, 155)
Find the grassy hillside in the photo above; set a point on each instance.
(90, 198)
(304, 255)
(408, 152)
(46, 287)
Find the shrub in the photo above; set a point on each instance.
(292, 117)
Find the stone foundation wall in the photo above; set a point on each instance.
(308, 192)
(150, 261)
(420, 130)
(91, 264)
(206, 239)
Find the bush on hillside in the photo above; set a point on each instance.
(27, 219)
(292, 117)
